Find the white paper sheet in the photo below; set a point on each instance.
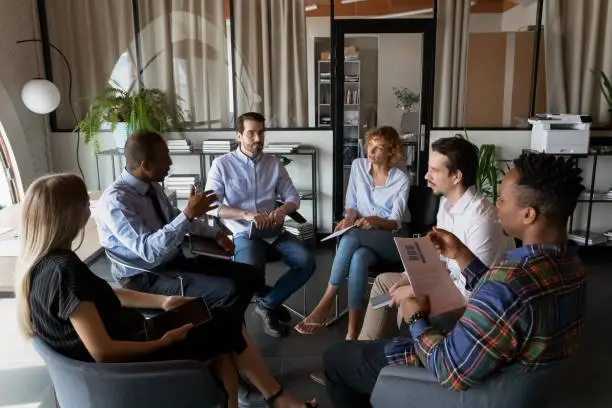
(337, 233)
(428, 275)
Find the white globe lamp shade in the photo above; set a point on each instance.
(40, 96)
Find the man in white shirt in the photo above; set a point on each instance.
(248, 184)
(452, 170)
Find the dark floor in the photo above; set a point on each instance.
(292, 359)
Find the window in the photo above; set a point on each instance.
(97, 38)
(488, 83)
(184, 49)
(8, 187)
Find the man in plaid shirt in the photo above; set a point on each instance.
(526, 312)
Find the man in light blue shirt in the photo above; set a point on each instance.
(247, 183)
(138, 224)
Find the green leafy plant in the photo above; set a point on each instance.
(405, 97)
(145, 109)
(606, 88)
(488, 175)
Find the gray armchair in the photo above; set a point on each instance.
(130, 385)
(408, 386)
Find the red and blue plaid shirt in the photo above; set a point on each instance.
(527, 312)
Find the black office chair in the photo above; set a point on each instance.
(423, 208)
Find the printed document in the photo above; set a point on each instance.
(337, 233)
(428, 275)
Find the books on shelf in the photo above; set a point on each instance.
(219, 145)
(302, 232)
(286, 147)
(179, 145)
(595, 238)
(181, 183)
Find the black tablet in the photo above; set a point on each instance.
(195, 311)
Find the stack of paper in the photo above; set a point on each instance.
(181, 183)
(303, 232)
(287, 147)
(219, 145)
(608, 234)
(179, 145)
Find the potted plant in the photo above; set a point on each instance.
(488, 173)
(606, 90)
(406, 99)
(124, 112)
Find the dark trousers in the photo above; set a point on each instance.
(222, 283)
(352, 367)
(351, 370)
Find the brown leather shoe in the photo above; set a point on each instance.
(319, 378)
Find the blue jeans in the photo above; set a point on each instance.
(300, 260)
(358, 250)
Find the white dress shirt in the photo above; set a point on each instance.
(473, 219)
(250, 184)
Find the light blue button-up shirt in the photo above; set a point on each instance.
(249, 184)
(129, 227)
(388, 201)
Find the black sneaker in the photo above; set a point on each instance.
(282, 314)
(271, 325)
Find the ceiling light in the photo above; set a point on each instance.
(350, 1)
(311, 5)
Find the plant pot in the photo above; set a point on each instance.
(120, 135)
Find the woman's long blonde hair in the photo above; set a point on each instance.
(53, 213)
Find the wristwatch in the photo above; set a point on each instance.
(416, 316)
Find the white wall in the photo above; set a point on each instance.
(400, 61)
(26, 132)
(511, 143)
(63, 147)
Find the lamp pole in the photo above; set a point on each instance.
(74, 116)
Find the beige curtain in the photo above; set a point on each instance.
(270, 51)
(93, 35)
(184, 52)
(451, 62)
(578, 38)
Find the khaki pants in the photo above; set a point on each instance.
(381, 323)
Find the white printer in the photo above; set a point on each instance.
(560, 133)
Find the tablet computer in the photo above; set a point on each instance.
(195, 311)
(381, 301)
(264, 233)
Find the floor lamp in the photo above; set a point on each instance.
(43, 97)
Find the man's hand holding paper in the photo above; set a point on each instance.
(427, 275)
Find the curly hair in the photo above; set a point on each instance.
(389, 135)
(548, 183)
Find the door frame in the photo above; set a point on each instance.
(340, 27)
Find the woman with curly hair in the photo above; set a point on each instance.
(376, 199)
